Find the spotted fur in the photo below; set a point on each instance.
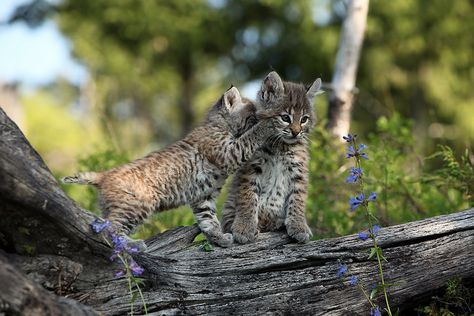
(269, 191)
(190, 171)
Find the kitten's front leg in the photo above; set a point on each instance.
(205, 214)
(245, 225)
(239, 150)
(295, 221)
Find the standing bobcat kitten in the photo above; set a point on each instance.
(191, 171)
(270, 190)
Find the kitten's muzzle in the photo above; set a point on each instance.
(295, 133)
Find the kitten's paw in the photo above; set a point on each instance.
(226, 241)
(301, 232)
(244, 234)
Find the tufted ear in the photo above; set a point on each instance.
(314, 90)
(232, 99)
(272, 88)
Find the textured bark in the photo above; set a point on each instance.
(47, 242)
(347, 59)
(22, 296)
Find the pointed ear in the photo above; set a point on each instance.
(314, 90)
(272, 87)
(232, 99)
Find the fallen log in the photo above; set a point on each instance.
(46, 242)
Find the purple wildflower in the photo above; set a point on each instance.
(363, 236)
(359, 151)
(99, 225)
(354, 280)
(375, 229)
(132, 250)
(119, 242)
(113, 257)
(372, 196)
(355, 202)
(349, 138)
(375, 311)
(119, 274)
(354, 175)
(136, 269)
(342, 270)
(351, 152)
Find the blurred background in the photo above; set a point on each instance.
(96, 83)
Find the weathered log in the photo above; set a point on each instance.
(47, 238)
(22, 296)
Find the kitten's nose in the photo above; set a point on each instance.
(295, 133)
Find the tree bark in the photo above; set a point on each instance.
(47, 242)
(347, 59)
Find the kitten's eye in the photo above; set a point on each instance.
(285, 118)
(304, 119)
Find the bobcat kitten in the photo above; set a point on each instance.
(270, 190)
(190, 171)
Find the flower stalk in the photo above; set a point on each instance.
(123, 252)
(356, 175)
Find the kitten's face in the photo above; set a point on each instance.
(289, 105)
(294, 121)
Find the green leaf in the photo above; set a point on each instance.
(134, 297)
(207, 247)
(139, 281)
(380, 254)
(373, 293)
(373, 251)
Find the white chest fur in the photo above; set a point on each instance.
(274, 185)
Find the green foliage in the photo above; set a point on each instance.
(454, 174)
(395, 171)
(168, 55)
(458, 300)
(182, 216)
(206, 246)
(29, 250)
(327, 204)
(419, 70)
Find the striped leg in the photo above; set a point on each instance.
(245, 225)
(295, 221)
(205, 214)
(124, 220)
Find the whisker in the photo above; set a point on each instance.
(277, 141)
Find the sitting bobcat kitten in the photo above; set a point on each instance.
(270, 190)
(190, 171)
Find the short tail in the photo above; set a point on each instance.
(84, 178)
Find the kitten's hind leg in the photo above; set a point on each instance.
(205, 213)
(124, 219)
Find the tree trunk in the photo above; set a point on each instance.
(347, 59)
(46, 241)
